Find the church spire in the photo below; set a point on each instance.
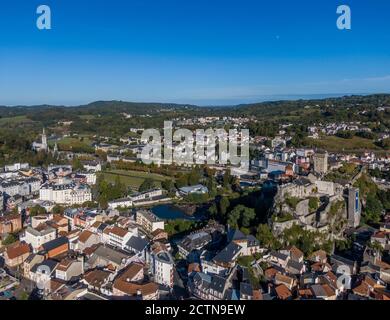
(44, 140)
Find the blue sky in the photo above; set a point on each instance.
(203, 51)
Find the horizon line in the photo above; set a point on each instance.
(260, 99)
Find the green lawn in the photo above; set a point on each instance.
(335, 144)
(14, 120)
(70, 140)
(75, 144)
(133, 179)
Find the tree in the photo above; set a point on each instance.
(194, 177)
(233, 218)
(376, 246)
(266, 237)
(89, 204)
(197, 197)
(384, 198)
(37, 211)
(148, 184)
(345, 134)
(313, 203)
(120, 187)
(213, 211)
(373, 210)
(58, 209)
(385, 144)
(247, 216)
(168, 185)
(227, 179)
(24, 296)
(182, 181)
(76, 164)
(10, 240)
(212, 186)
(343, 245)
(108, 191)
(224, 204)
(241, 216)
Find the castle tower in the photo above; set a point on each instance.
(320, 160)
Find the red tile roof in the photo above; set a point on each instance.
(283, 292)
(84, 236)
(17, 250)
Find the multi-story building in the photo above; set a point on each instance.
(276, 166)
(118, 237)
(92, 165)
(147, 195)
(69, 194)
(69, 268)
(191, 245)
(208, 287)
(79, 217)
(16, 254)
(121, 203)
(149, 221)
(34, 184)
(16, 167)
(10, 224)
(39, 236)
(162, 266)
(10, 188)
(128, 284)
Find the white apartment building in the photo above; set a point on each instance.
(149, 221)
(147, 194)
(39, 236)
(90, 176)
(121, 203)
(69, 268)
(16, 167)
(92, 165)
(162, 265)
(118, 237)
(69, 194)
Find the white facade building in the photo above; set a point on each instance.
(16, 167)
(149, 221)
(162, 267)
(39, 236)
(118, 237)
(69, 194)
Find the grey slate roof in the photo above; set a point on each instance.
(55, 243)
(278, 255)
(218, 283)
(228, 253)
(318, 291)
(109, 254)
(137, 243)
(294, 265)
(246, 289)
(51, 264)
